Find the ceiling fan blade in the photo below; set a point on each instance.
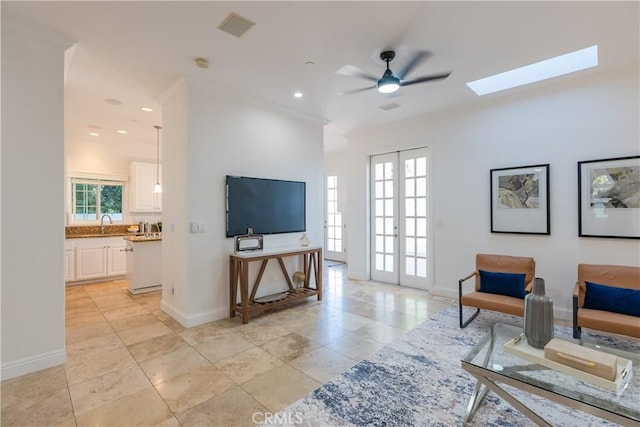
(351, 92)
(353, 71)
(425, 79)
(417, 58)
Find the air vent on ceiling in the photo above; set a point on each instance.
(236, 25)
(388, 107)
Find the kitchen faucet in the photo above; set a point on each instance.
(102, 222)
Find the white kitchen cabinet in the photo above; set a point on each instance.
(116, 260)
(69, 265)
(142, 179)
(99, 258)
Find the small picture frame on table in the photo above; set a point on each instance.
(520, 200)
(609, 198)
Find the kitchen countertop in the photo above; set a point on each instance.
(82, 236)
(143, 238)
(87, 231)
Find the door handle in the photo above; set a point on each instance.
(126, 250)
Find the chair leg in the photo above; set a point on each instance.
(463, 324)
(577, 330)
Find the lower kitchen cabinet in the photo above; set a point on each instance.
(98, 258)
(69, 266)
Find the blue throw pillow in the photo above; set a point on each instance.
(509, 284)
(611, 298)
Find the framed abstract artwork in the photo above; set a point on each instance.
(609, 198)
(520, 200)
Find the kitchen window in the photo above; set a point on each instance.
(93, 198)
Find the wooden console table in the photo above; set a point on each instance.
(239, 275)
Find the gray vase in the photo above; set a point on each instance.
(538, 316)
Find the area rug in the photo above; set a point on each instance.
(418, 381)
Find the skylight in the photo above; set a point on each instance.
(558, 66)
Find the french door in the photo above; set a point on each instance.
(334, 238)
(400, 238)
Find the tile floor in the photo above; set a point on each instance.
(128, 363)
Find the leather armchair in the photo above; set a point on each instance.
(609, 275)
(495, 302)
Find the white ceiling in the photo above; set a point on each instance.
(133, 51)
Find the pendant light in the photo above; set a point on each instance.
(157, 188)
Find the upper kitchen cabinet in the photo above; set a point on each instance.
(142, 178)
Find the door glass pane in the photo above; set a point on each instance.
(379, 243)
(388, 265)
(410, 207)
(409, 187)
(380, 207)
(421, 267)
(410, 244)
(421, 186)
(410, 228)
(421, 247)
(379, 226)
(410, 266)
(379, 262)
(421, 206)
(388, 170)
(388, 207)
(379, 171)
(388, 189)
(422, 227)
(389, 244)
(409, 167)
(379, 189)
(388, 226)
(421, 166)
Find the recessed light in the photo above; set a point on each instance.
(113, 101)
(147, 109)
(553, 67)
(94, 134)
(122, 132)
(309, 63)
(298, 94)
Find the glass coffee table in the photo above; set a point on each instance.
(492, 367)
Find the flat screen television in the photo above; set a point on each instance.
(268, 206)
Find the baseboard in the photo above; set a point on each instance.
(189, 321)
(32, 364)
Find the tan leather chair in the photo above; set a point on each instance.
(495, 302)
(609, 275)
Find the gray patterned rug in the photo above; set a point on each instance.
(418, 381)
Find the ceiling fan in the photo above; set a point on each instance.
(390, 81)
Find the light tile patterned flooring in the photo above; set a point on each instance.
(128, 363)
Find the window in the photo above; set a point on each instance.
(92, 198)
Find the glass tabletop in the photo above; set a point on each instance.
(489, 355)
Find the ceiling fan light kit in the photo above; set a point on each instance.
(391, 82)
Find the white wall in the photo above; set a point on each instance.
(211, 133)
(557, 123)
(32, 199)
